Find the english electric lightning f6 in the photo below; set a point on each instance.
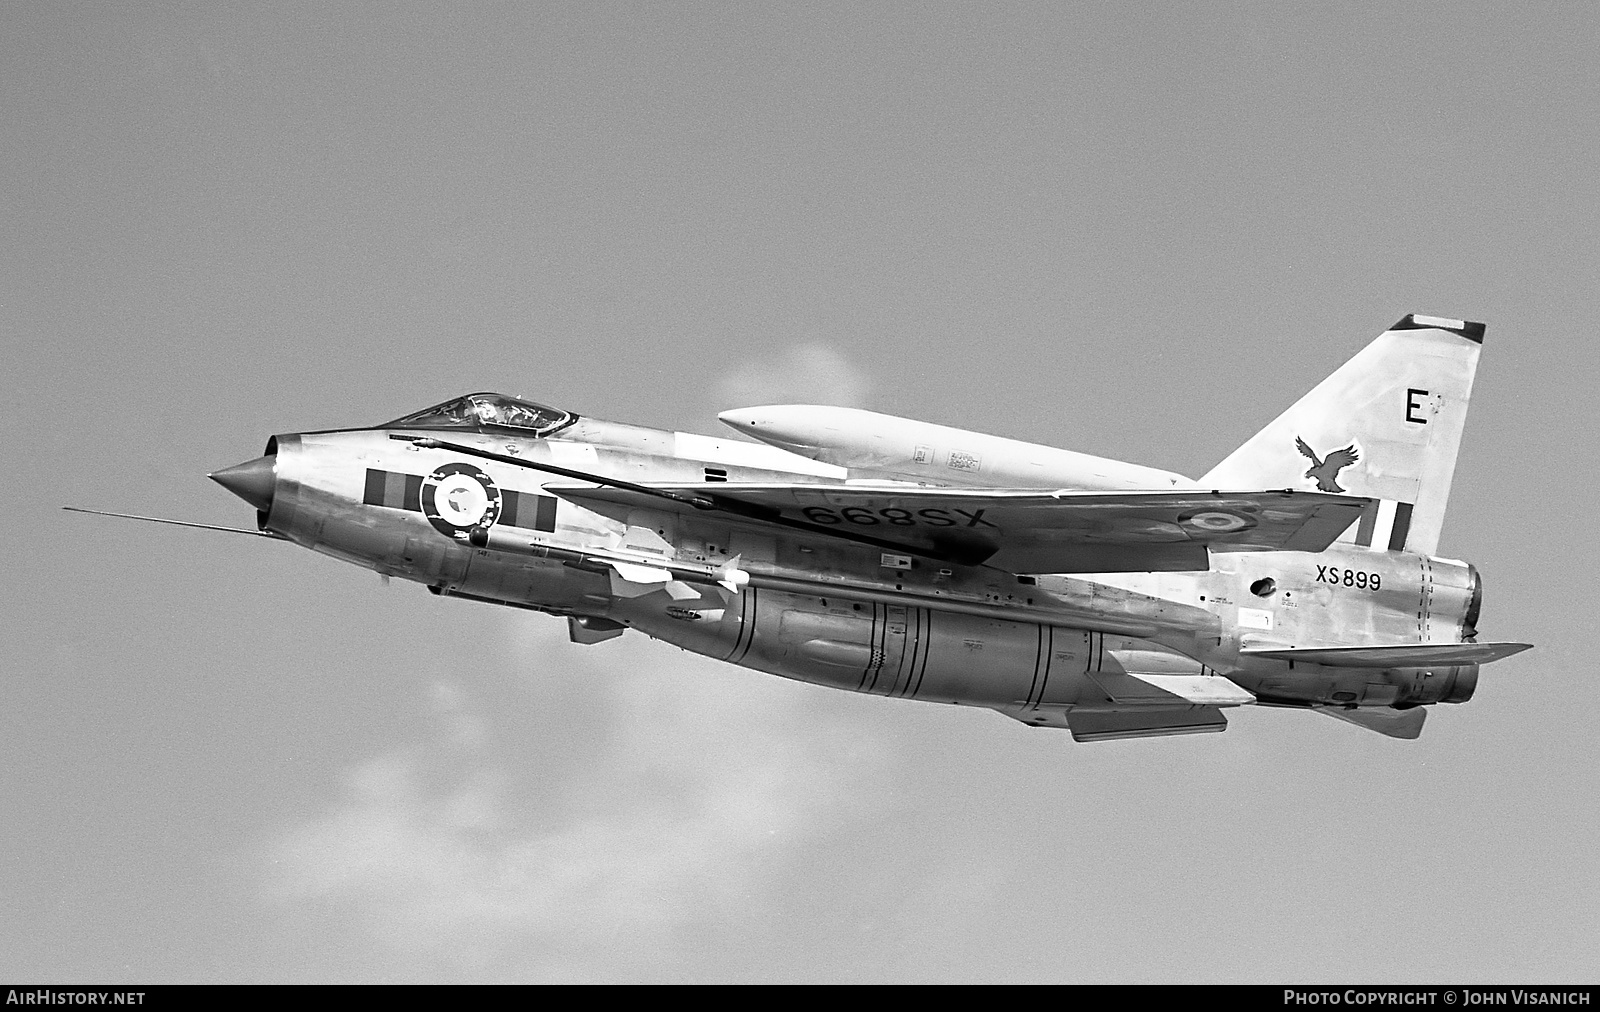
(911, 560)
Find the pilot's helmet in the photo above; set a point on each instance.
(486, 412)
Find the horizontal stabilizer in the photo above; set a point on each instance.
(1405, 724)
(1113, 725)
(1403, 655)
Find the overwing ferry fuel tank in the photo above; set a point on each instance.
(871, 445)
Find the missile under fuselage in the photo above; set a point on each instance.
(872, 445)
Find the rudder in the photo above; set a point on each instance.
(1387, 424)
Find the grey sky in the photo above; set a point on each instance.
(1134, 232)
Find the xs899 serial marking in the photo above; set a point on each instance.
(1349, 578)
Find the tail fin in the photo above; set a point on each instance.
(1387, 425)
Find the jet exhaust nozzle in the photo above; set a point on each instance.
(252, 481)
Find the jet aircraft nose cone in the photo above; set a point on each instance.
(252, 481)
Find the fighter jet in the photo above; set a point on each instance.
(910, 560)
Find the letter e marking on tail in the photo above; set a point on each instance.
(1413, 405)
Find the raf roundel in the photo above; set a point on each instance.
(1215, 521)
(458, 499)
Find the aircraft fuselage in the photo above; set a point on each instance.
(845, 615)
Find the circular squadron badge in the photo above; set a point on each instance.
(458, 499)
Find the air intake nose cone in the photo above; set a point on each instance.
(252, 481)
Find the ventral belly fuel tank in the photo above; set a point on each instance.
(872, 445)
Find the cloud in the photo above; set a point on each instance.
(630, 809)
(807, 374)
(623, 826)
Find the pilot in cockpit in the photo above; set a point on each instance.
(486, 412)
(489, 410)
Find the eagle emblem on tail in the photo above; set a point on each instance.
(1326, 470)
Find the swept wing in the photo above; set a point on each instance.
(1019, 530)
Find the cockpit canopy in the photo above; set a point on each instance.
(488, 412)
